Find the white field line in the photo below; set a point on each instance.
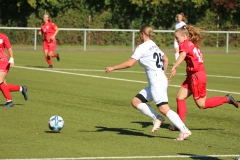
(134, 157)
(111, 78)
(124, 71)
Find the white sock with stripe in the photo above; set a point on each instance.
(176, 121)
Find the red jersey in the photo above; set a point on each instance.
(194, 59)
(48, 29)
(4, 43)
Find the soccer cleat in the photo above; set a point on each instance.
(24, 92)
(184, 135)
(157, 123)
(173, 128)
(232, 100)
(50, 66)
(8, 105)
(58, 57)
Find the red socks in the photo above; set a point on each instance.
(54, 55)
(181, 109)
(215, 101)
(5, 91)
(49, 60)
(13, 88)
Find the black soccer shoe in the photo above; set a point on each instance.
(173, 128)
(8, 105)
(232, 100)
(24, 92)
(50, 66)
(58, 57)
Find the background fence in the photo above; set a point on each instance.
(121, 37)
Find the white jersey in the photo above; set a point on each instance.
(150, 57)
(179, 25)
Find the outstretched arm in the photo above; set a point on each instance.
(177, 63)
(123, 65)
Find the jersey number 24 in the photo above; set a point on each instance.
(159, 60)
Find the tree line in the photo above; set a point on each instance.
(120, 14)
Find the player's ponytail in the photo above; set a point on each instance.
(147, 30)
(194, 34)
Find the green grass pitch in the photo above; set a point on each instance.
(99, 119)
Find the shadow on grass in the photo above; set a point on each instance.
(164, 125)
(15, 104)
(125, 131)
(147, 124)
(207, 129)
(51, 132)
(194, 156)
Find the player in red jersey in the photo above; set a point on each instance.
(50, 30)
(189, 39)
(4, 68)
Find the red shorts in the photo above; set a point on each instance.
(196, 83)
(49, 45)
(4, 67)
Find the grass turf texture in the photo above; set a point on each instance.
(99, 120)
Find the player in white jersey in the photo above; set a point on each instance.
(155, 63)
(181, 21)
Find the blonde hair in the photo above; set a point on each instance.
(184, 19)
(194, 34)
(147, 30)
(49, 17)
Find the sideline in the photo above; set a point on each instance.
(136, 157)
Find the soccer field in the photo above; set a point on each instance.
(100, 122)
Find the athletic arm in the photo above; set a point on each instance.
(165, 63)
(129, 63)
(177, 63)
(11, 60)
(55, 33)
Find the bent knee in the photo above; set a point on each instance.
(135, 102)
(201, 106)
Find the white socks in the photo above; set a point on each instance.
(176, 121)
(176, 56)
(147, 110)
(20, 89)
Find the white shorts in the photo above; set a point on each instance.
(175, 44)
(157, 93)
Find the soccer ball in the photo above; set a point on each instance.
(56, 123)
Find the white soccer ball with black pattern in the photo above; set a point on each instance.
(56, 123)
